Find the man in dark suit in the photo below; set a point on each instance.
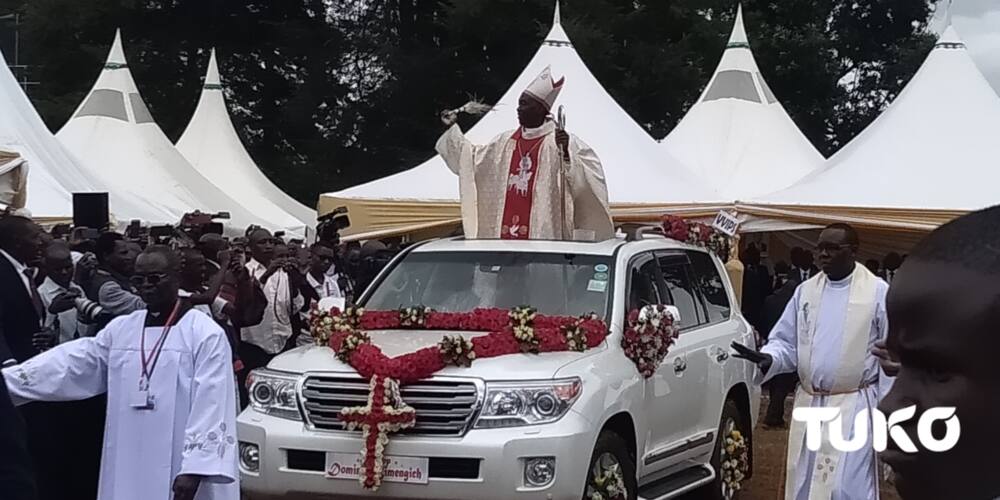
(756, 286)
(22, 314)
(21, 308)
(782, 385)
(21, 318)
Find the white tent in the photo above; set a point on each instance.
(119, 144)
(737, 135)
(210, 143)
(53, 173)
(639, 176)
(931, 156)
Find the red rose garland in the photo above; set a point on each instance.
(698, 234)
(538, 333)
(511, 332)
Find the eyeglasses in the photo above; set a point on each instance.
(152, 278)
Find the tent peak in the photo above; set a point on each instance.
(212, 79)
(557, 37)
(950, 39)
(738, 39)
(116, 56)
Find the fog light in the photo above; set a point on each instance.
(539, 471)
(249, 457)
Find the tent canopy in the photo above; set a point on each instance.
(119, 144)
(638, 173)
(932, 154)
(737, 135)
(53, 173)
(213, 147)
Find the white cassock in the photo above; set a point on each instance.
(826, 334)
(569, 199)
(190, 430)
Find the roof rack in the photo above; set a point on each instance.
(636, 232)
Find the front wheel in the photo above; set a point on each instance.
(731, 458)
(611, 475)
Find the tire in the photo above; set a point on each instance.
(730, 416)
(611, 444)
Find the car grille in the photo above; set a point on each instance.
(444, 407)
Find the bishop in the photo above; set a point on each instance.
(533, 182)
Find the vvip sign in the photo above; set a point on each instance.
(727, 222)
(882, 428)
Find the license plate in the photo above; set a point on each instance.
(410, 470)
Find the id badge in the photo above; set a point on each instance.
(140, 398)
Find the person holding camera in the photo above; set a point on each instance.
(276, 275)
(71, 314)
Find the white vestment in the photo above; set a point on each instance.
(833, 357)
(570, 199)
(191, 429)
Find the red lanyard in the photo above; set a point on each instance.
(149, 364)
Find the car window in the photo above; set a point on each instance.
(711, 285)
(677, 274)
(643, 287)
(555, 284)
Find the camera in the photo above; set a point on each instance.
(331, 224)
(88, 311)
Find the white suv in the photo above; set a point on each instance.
(494, 431)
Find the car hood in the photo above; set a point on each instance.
(399, 342)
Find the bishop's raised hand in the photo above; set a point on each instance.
(449, 117)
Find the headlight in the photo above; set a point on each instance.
(274, 393)
(527, 403)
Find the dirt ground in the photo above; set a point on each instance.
(768, 482)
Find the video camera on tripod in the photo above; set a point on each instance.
(191, 227)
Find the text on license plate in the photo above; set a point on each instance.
(410, 470)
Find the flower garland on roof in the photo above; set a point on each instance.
(698, 234)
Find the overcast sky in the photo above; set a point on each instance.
(978, 23)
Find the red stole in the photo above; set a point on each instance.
(520, 188)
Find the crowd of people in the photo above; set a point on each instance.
(60, 287)
(87, 358)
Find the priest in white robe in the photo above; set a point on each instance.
(171, 424)
(826, 334)
(534, 182)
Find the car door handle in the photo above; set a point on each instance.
(722, 356)
(680, 364)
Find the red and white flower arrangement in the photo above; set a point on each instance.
(508, 332)
(698, 234)
(649, 333)
(547, 332)
(384, 413)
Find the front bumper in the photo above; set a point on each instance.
(484, 464)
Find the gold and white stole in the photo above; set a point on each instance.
(861, 307)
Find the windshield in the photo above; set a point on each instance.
(554, 284)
